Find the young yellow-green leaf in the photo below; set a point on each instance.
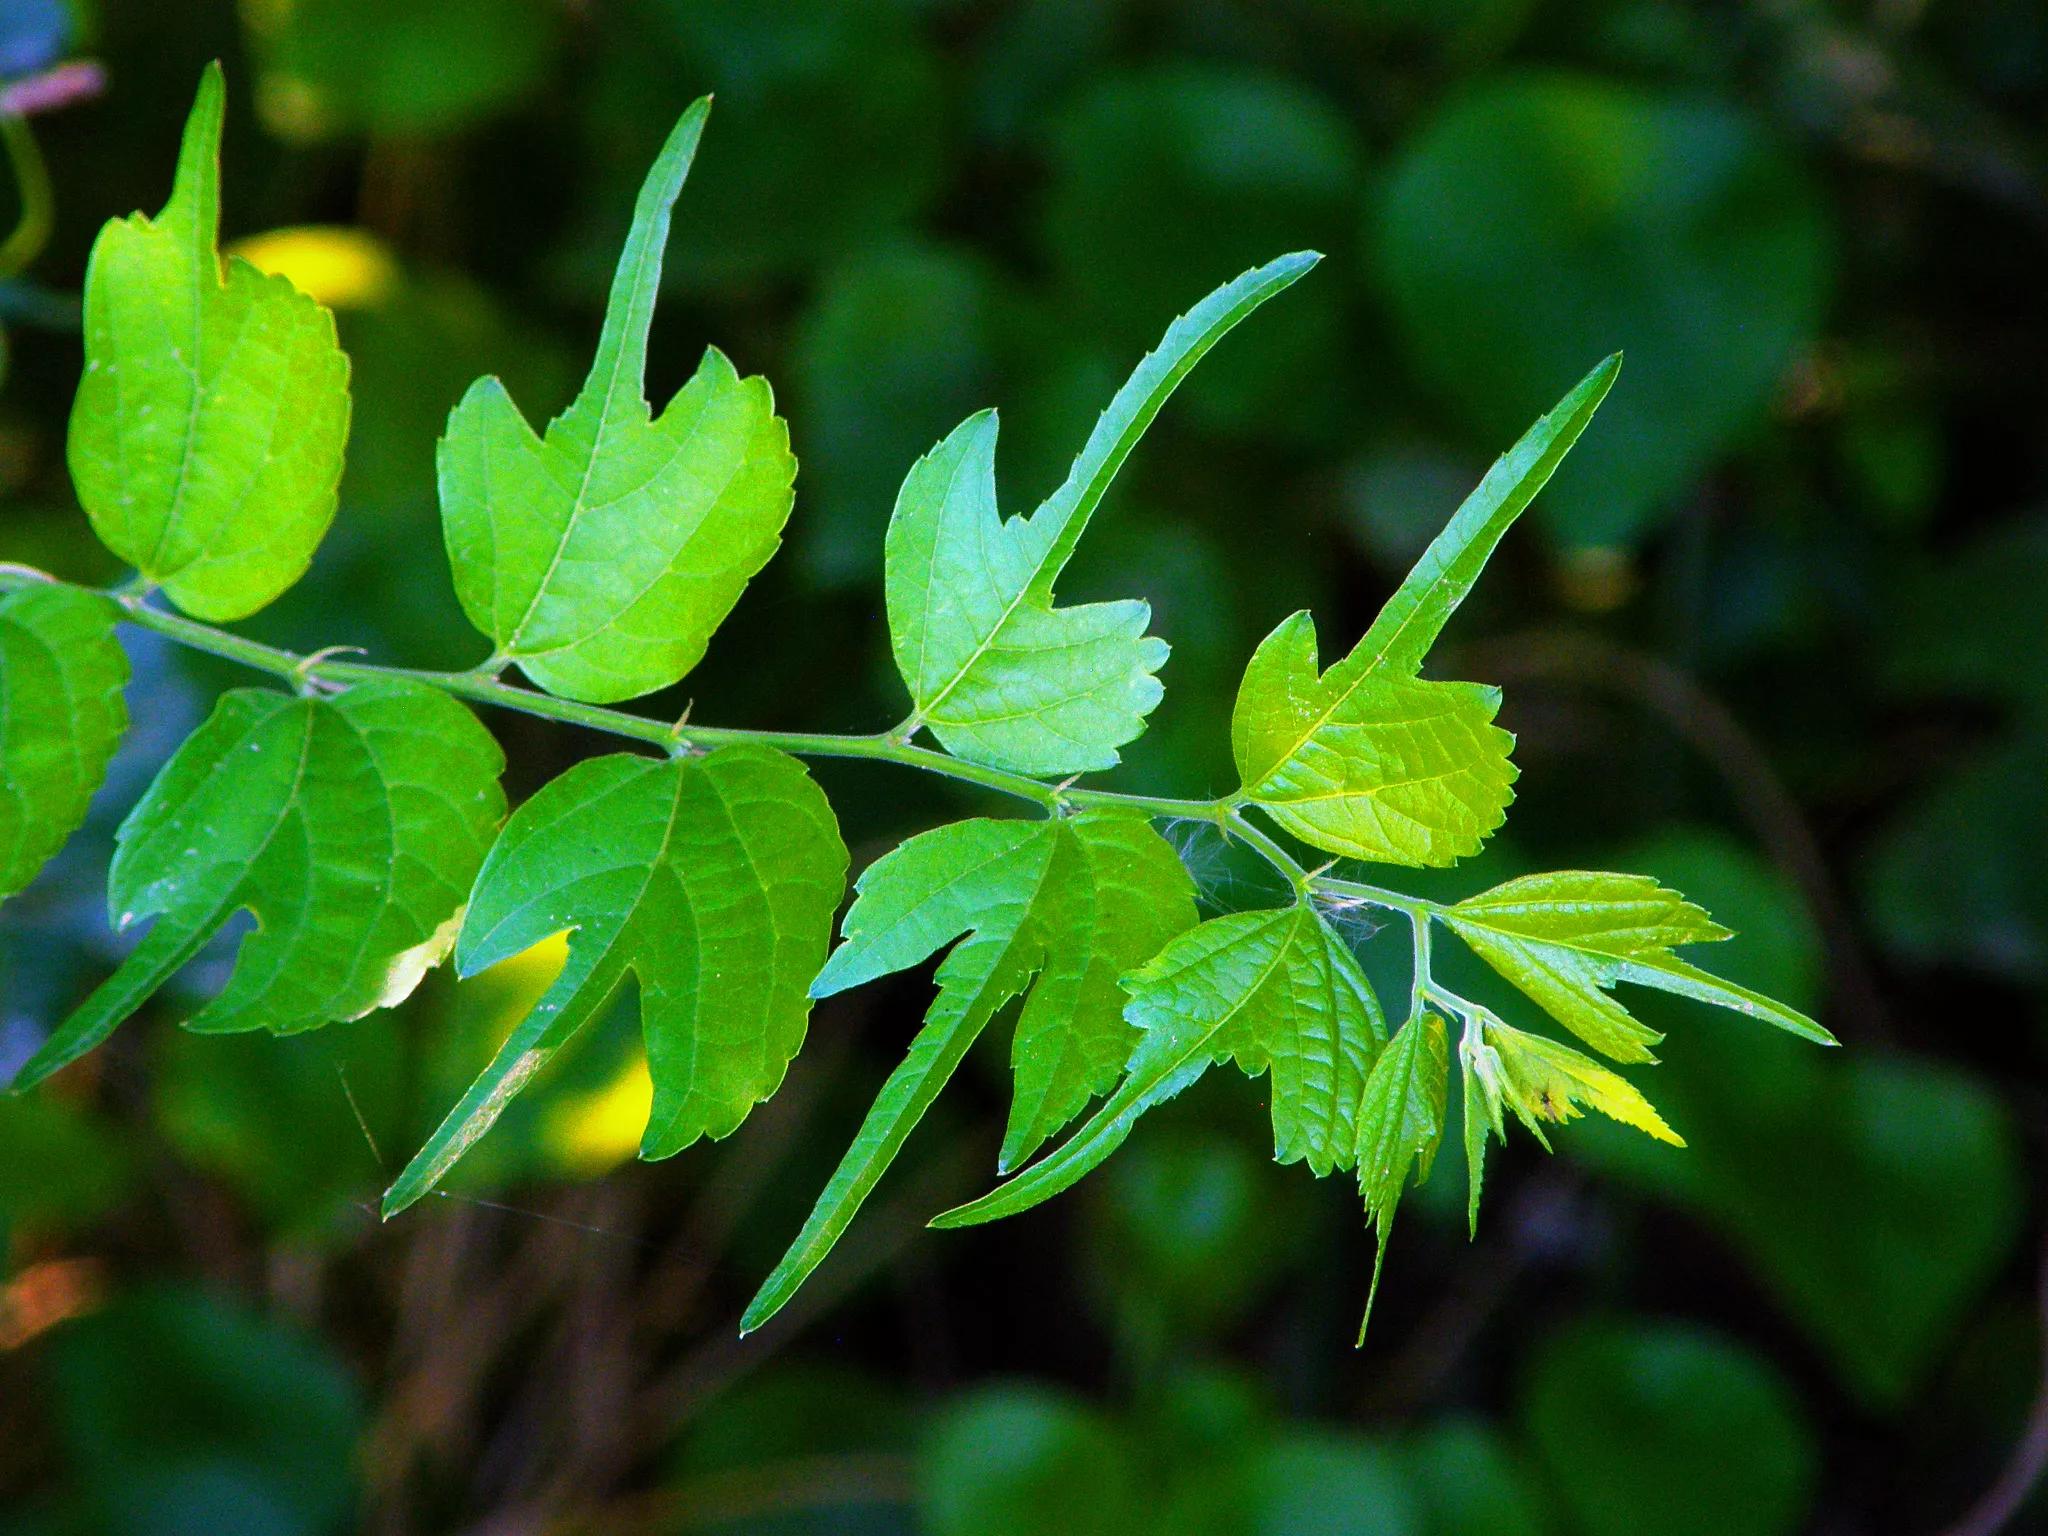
(1566, 938)
(207, 437)
(61, 717)
(350, 828)
(1275, 991)
(711, 880)
(602, 555)
(1074, 902)
(999, 674)
(1481, 1077)
(1542, 1080)
(1368, 760)
(1400, 1123)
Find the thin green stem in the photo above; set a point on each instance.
(1240, 826)
(482, 686)
(1415, 907)
(1419, 986)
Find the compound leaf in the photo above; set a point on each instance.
(207, 437)
(1400, 1123)
(1566, 938)
(1368, 760)
(601, 555)
(999, 674)
(1073, 902)
(1275, 991)
(712, 880)
(349, 827)
(61, 717)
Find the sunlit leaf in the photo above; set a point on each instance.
(61, 717)
(349, 827)
(601, 555)
(997, 672)
(1567, 938)
(1400, 1124)
(207, 436)
(1367, 759)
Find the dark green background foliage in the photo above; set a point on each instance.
(1774, 636)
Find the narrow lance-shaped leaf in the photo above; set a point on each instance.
(601, 555)
(1480, 1065)
(712, 880)
(349, 827)
(1368, 760)
(61, 717)
(207, 437)
(1399, 1126)
(1275, 991)
(1073, 902)
(1566, 938)
(999, 674)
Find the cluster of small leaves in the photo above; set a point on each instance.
(358, 818)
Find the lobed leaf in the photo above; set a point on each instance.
(1567, 938)
(712, 881)
(1275, 991)
(350, 828)
(1367, 760)
(1541, 1080)
(62, 714)
(1400, 1122)
(207, 436)
(602, 555)
(1072, 902)
(999, 674)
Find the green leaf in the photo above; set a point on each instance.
(350, 828)
(999, 674)
(1479, 1076)
(711, 880)
(1276, 991)
(1653, 1429)
(61, 717)
(1367, 760)
(1074, 902)
(1542, 1080)
(1539, 219)
(1566, 938)
(1400, 1122)
(602, 555)
(207, 437)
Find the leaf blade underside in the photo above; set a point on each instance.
(349, 827)
(62, 715)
